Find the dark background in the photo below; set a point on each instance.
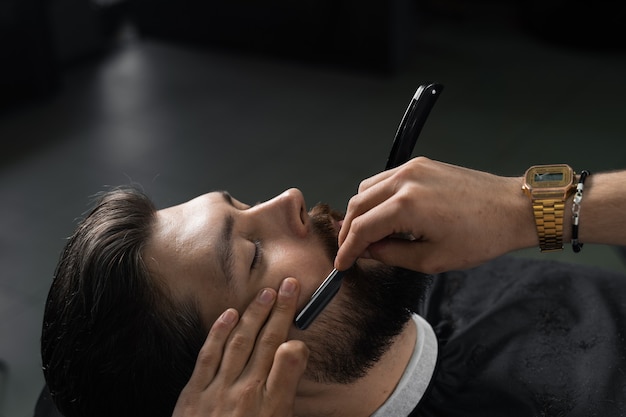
(189, 96)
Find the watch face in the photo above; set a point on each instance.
(549, 176)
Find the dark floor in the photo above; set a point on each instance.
(182, 121)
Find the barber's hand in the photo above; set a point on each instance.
(458, 216)
(246, 367)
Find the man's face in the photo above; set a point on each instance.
(220, 252)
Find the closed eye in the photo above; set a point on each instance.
(258, 254)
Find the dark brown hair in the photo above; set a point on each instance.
(114, 343)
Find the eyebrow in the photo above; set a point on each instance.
(225, 243)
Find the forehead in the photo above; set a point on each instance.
(184, 240)
(202, 202)
(196, 216)
(175, 226)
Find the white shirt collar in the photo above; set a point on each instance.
(417, 374)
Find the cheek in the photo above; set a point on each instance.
(213, 302)
(308, 264)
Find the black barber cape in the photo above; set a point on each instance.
(527, 338)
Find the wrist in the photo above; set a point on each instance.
(524, 230)
(548, 188)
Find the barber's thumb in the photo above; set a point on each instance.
(342, 262)
(391, 252)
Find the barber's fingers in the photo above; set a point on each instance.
(242, 340)
(275, 331)
(210, 355)
(375, 179)
(361, 204)
(386, 214)
(372, 192)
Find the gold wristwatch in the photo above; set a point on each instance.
(548, 187)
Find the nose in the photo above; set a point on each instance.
(289, 209)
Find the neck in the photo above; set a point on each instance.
(365, 396)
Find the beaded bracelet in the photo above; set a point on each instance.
(576, 245)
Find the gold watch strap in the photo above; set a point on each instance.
(549, 220)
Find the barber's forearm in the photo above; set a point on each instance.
(462, 217)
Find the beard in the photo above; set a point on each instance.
(372, 308)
